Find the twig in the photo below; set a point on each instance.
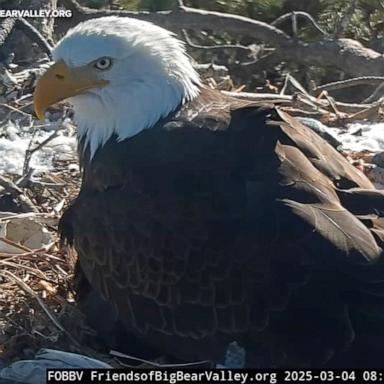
(368, 113)
(13, 244)
(25, 179)
(14, 109)
(331, 102)
(213, 47)
(376, 94)
(304, 15)
(185, 18)
(285, 85)
(294, 24)
(273, 98)
(10, 276)
(61, 270)
(33, 271)
(24, 254)
(336, 85)
(153, 363)
(26, 288)
(29, 152)
(295, 83)
(27, 251)
(268, 61)
(12, 215)
(28, 155)
(25, 203)
(265, 97)
(345, 54)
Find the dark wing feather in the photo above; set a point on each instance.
(228, 221)
(322, 155)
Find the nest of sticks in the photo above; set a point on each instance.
(37, 302)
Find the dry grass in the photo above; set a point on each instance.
(37, 306)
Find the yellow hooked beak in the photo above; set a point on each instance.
(61, 82)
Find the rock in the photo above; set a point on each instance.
(234, 357)
(378, 159)
(34, 371)
(376, 175)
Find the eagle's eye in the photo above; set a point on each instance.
(103, 63)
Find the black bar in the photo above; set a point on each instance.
(243, 376)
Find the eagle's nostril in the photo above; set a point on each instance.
(59, 76)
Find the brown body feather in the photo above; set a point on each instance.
(230, 221)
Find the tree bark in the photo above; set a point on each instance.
(20, 43)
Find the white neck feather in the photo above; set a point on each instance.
(126, 112)
(150, 77)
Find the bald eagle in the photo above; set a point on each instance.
(204, 220)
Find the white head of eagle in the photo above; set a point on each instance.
(120, 74)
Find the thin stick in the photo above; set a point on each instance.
(29, 152)
(368, 113)
(17, 193)
(304, 15)
(12, 215)
(356, 81)
(26, 288)
(213, 47)
(24, 254)
(119, 354)
(31, 270)
(13, 244)
(376, 94)
(272, 97)
(14, 109)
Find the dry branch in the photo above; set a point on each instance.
(9, 275)
(30, 151)
(184, 18)
(370, 113)
(288, 99)
(304, 15)
(378, 92)
(363, 80)
(236, 47)
(26, 288)
(344, 54)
